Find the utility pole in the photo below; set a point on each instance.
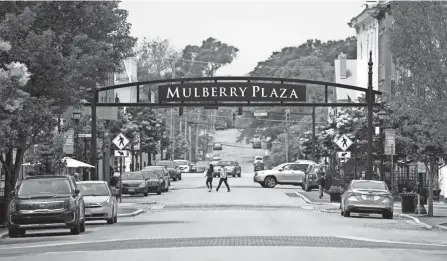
(314, 140)
(173, 62)
(370, 118)
(172, 134)
(287, 135)
(197, 135)
(190, 147)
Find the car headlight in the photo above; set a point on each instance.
(12, 206)
(106, 203)
(142, 185)
(70, 204)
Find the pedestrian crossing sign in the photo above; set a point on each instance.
(344, 142)
(120, 141)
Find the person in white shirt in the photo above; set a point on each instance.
(223, 178)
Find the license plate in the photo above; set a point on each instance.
(370, 197)
(131, 190)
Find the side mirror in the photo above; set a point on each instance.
(280, 170)
(77, 191)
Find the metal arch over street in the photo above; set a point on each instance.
(252, 101)
(295, 98)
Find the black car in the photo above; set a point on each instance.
(43, 202)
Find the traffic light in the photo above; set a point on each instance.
(287, 115)
(180, 111)
(239, 110)
(234, 117)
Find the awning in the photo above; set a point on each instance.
(72, 163)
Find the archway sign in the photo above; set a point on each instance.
(238, 92)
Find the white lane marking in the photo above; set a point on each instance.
(307, 207)
(158, 207)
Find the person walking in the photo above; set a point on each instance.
(223, 178)
(209, 177)
(321, 184)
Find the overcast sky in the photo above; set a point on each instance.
(257, 28)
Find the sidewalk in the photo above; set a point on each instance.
(439, 219)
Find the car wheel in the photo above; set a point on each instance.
(115, 219)
(146, 193)
(342, 213)
(388, 215)
(346, 213)
(180, 177)
(83, 226)
(14, 232)
(174, 179)
(239, 175)
(270, 182)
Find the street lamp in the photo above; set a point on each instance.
(76, 117)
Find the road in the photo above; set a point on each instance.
(248, 223)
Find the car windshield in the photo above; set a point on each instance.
(369, 185)
(182, 162)
(93, 189)
(132, 176)
(203, 163)
(150, 174)
(226, 163)
(156, 169)
(302, 167)
(168, 164)
(44, 187)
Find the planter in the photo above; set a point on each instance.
(335, 197)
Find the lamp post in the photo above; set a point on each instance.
(379, 131)
(76, 118)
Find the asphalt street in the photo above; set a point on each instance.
(248, 223)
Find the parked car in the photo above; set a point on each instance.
(202, 166)
(184, 165)
(42, 202)
(233, 168)
(164, 173)
(134, 183)
(215, 160)
(283, 174)
(367, 196)
(217, 146)
(173, 169)
(156, 181)
(259, 166)
(258, 159)
(100, 203)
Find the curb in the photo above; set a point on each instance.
(310, 202)
(133, 214)
(415, 219)
(3, 235)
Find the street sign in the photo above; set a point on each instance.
(260, 114)
(344, 142)
(344, 155)
(120, 141)
(390, 142)
(121, 153)
(84, 135)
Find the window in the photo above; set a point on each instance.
(369, 185)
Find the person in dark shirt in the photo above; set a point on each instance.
(209, 177)
(321, 184)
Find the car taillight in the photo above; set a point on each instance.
(355, 195)
(388, 196)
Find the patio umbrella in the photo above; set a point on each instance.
(72, 163)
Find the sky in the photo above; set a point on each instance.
(256, 28)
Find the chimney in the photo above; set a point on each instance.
(342, 58)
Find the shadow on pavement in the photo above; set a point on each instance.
(55, 234)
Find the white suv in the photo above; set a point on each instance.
(283, 174)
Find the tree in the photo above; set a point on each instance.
(67, 56)
(417, 43)
(46, 158)
(313, 60)
(205, 60)
(154, 58)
